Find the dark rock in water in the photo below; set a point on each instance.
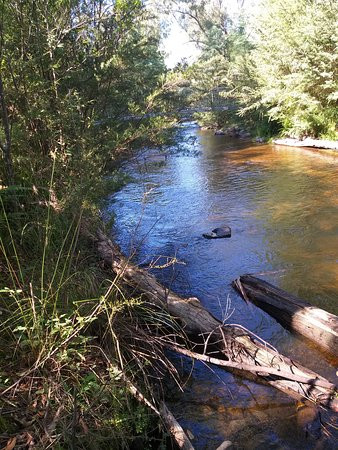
(219, 133)
(243, 134)
(233, 132)
(218, 233)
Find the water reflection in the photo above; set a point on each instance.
(281, 204)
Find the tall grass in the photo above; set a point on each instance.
(66, 331)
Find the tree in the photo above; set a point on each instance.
(283, 76)
(65, 66)
(296, 63)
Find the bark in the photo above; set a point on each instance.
(308, 142)
(296, 314)
(234, 343)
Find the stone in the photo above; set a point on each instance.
(218, 233)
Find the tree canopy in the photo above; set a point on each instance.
(278, 66)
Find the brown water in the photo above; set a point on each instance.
(282, 206)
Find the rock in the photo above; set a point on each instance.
(224, 445)
(233, 132)
(260, 140)
(308, 142)
(218, 233)
(244, 134)
(219, 133)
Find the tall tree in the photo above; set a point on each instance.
(296, 64)
(67, 66)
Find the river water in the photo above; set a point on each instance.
(281, 204)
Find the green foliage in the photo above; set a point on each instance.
(280, 77)
(66, 69)
(74, 76)
(58, 309)
(296, 64)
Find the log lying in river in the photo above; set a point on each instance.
(233, 342)
(308, 142)
(292, 312)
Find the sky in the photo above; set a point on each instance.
(177, 45)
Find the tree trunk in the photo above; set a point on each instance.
(6, 146)
(233, 342)
(292, 312)
(308, 142)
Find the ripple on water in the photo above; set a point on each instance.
(281, 204)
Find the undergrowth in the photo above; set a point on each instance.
(69, 335)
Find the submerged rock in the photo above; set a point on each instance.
(218, 233)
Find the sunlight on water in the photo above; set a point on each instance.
(282, 206)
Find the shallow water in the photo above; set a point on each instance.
(281, 204)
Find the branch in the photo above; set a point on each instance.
(173, 427)
(192, 16)
(251, 368)
(6, 148)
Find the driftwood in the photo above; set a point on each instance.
(251, 368)
(233, 342)
(308, 142)
(292, 312)
(173, 427)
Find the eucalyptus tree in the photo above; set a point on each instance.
(224, 49)
(281, 74)
(65, 66)
(296, 64)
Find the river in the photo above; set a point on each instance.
(281, 204)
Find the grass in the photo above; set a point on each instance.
(67, 333)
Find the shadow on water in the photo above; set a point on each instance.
(281, 204)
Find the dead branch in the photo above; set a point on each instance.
(233, 343)
(251, 368)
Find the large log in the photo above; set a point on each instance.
(234, 343)
(308, 142)
(290, 311)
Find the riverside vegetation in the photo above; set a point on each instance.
(276, 69)
(65, 66)
(71, 72)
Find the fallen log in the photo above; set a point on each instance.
(251, 368)
(295, 314)
(233, 342)
(173, 427)
(308, 142)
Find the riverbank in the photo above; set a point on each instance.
(62, 350)
(69, 335)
